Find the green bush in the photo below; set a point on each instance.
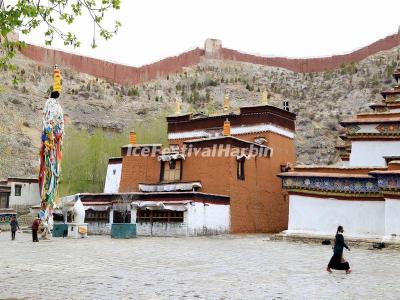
(85, 154)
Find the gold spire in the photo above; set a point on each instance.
(177, 106)
(56, 79)
(226, 102)
(227, 128)
(132, 137)
(264, 97)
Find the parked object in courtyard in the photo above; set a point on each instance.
(337, 261)
(14, 227)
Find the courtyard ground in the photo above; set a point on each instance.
(224, 267)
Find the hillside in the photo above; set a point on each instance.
(319, 99)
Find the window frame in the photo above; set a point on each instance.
(175, 169)
(240, 174)
(19, 194)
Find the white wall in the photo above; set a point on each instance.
(392, 217)
(324, 215)
(199, 219)
(161, 229)
(29, 194)
(370, 153)
(99, 228)
(208, 219)
(113, 178)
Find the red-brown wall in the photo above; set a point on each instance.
(123, 74)
(118, 73)
(315, 64)
(258, 203)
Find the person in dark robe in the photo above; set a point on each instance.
(35, 228)
(337, 261)
(14, 227)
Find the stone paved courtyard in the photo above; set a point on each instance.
(228, 267)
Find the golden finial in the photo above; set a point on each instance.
(132, 137)
(178, 103)
(264, 97)
(226, 102)
(227, 128)
(56, 79)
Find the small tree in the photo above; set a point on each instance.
(122, 209)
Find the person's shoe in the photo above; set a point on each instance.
(348, 271)
(328, 270)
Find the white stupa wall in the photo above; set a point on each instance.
(392, 217)
(314, 215)
(371, 153)
(113, 178)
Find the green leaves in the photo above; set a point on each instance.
(27, 15)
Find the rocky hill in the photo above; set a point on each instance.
(320, 100)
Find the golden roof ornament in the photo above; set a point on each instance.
(226, 102)
(178, 103)
(264, 97)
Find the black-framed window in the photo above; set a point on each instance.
(121, 216)
(18, 190)
(171, 170)
(94, 215)
(240, 168)
(160, 216)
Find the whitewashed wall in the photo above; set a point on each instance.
(161, 229)
(208, 219)
(392, 217)
(99, 228)
(371, 153)
(113, 178)
(29, 195)
(323, 216)
(199, 219)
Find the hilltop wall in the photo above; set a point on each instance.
(306, 65)
(111, 71)
(123, 74)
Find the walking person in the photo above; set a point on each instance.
(14, 226)
(337, 261)
(35, 227)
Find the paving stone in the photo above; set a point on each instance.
(225, 267)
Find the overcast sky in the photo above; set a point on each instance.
(155, 29)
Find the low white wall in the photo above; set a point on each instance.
(392, 217)
(161, 229)
(324, 215)
(113, 178)
(29, 195)
(371, 153)
(199, 219)
(208, 219)
(99, 228)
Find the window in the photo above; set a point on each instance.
(93, 215)
(18, 189)
(240, 168)
(171, 170)
(3, 200)
(286, 105)
(121, 216)
(161, 216)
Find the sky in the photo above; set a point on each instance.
(156, 29)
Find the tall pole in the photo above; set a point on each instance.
(51, 154)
